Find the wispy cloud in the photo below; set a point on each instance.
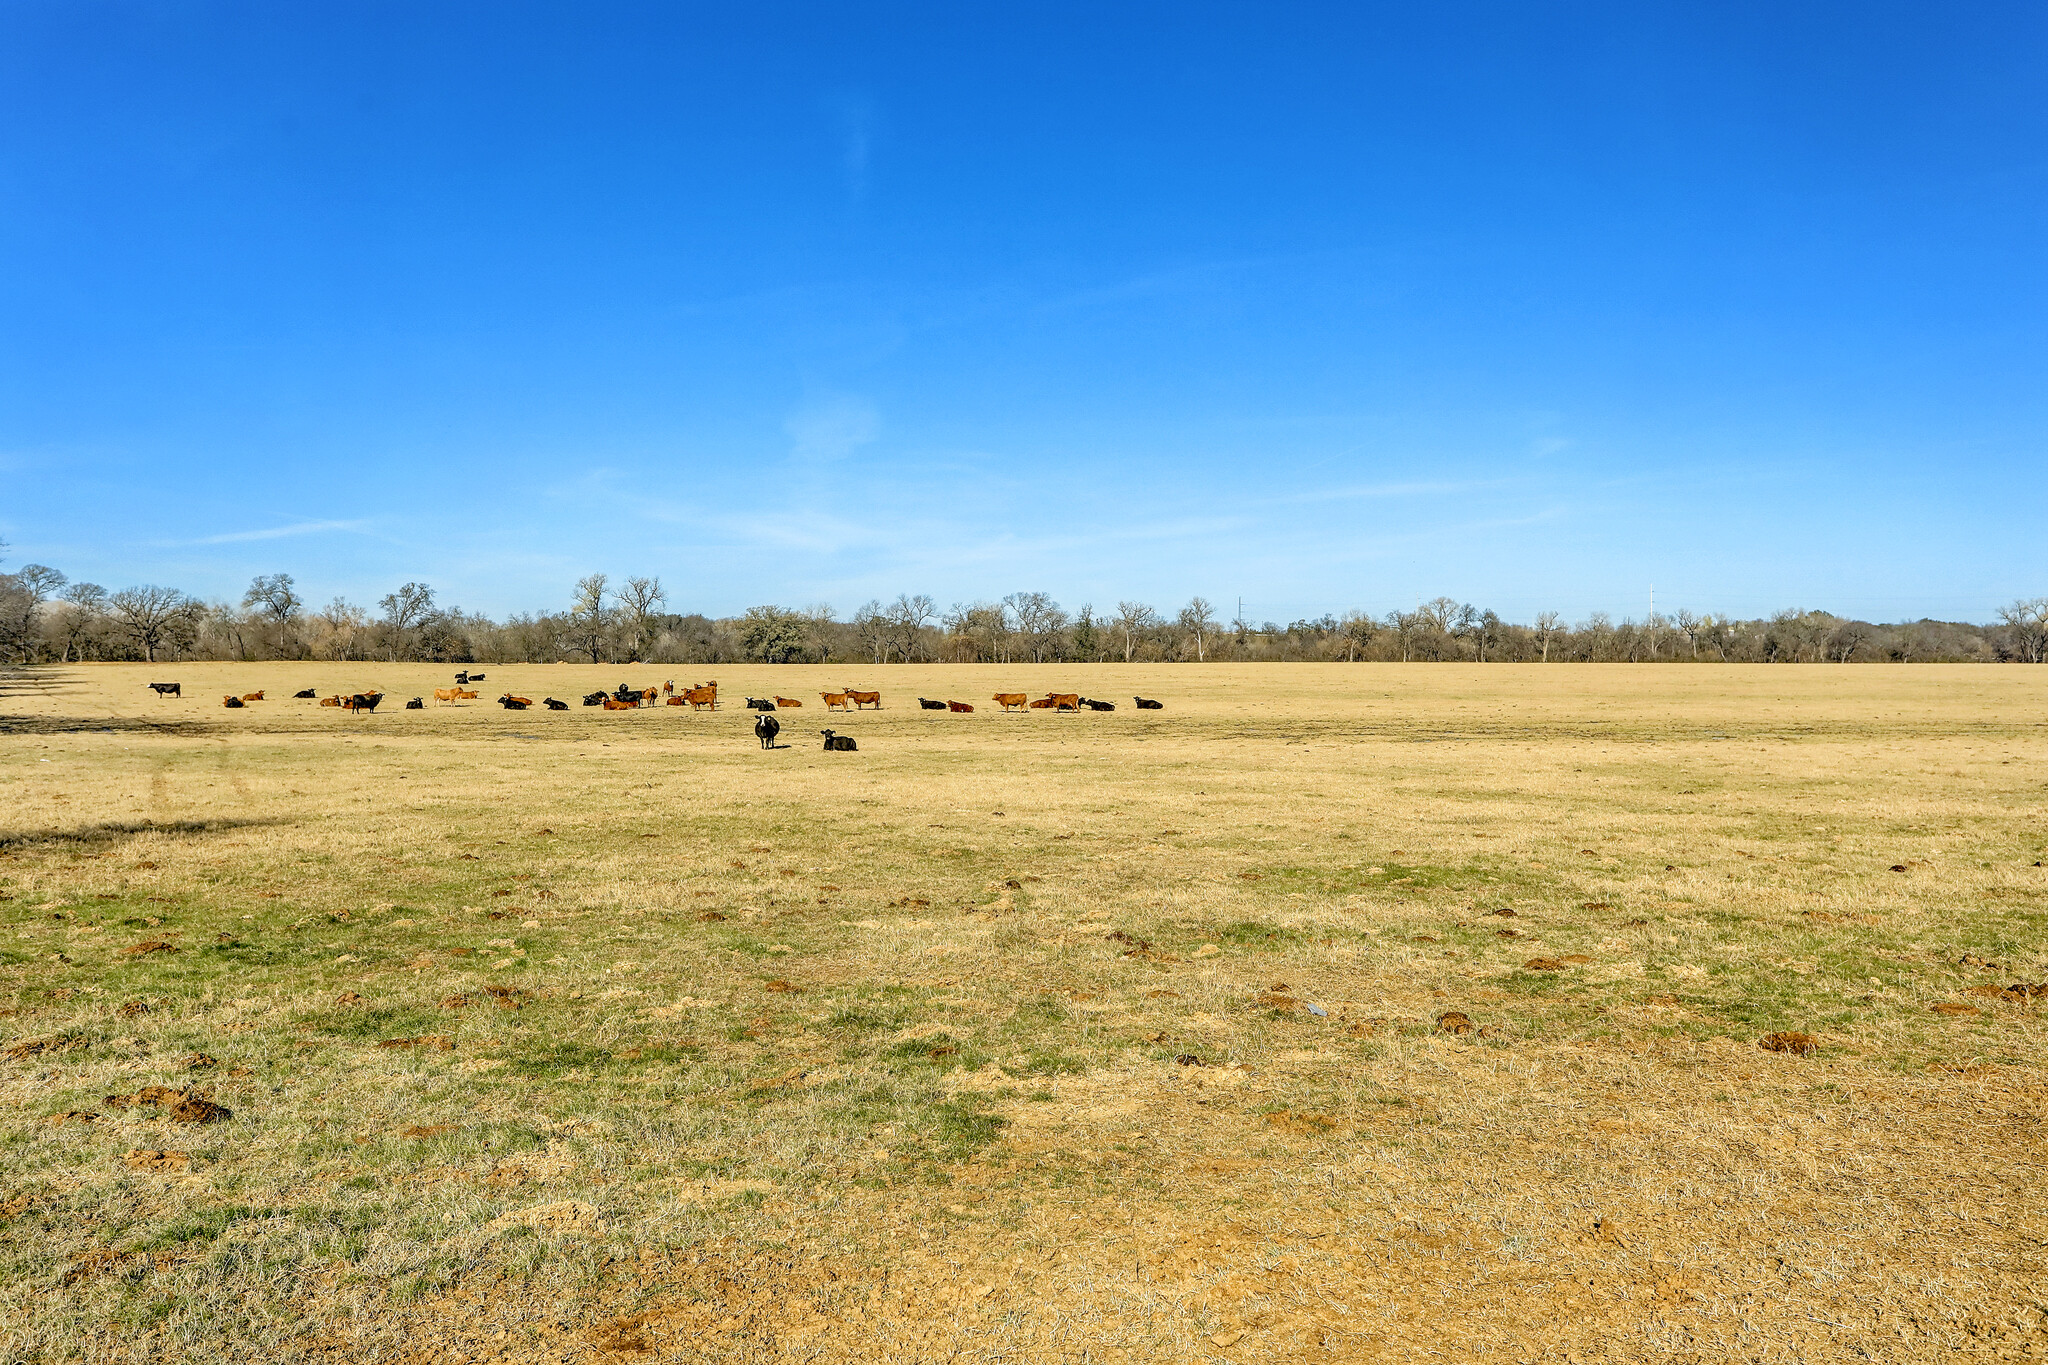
(297, 528)
(832, 429)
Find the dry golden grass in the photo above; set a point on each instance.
(1105, 1037)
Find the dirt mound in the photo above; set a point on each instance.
(183, 1106)
(147, 946)
(1454, 1022)
(1799, 1044)
(142, 1160)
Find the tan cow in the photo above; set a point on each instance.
(787, 701)
(1012, 701)
(861, 699)
(334, 700)
(702, 696)
(447, 694)
(612, 703)
(1064, 701)
(465, 694)
(252, 696)
(837, 699)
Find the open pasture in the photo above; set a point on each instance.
(1192, 1034)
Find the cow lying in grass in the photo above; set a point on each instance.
(614, 704)
(928, 704)
(416, 704)
(838, 743)
(593, 698)
(554, 705)
(1094, 705)
(959, 706)
(306, 695)
(1144, 704)
(760, 704)
(512, 703)
(232, 702)
(787, 701)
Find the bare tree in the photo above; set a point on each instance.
(1132, 621)
(2026, 622)
(404, 612)
(152, 616)
(1198, 619)
(639, 599)
(1688, 625)
(1357, 630)
(907, 618)
(85, 606)
(273, 595)
(1546, 628)
(871, 628)
(341, 624)
(31, 587)
(589, 617)
(1040, 621)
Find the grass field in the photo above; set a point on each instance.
(597, 1036)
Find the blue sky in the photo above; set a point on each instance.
(1323, 306)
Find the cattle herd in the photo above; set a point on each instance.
(703, 697)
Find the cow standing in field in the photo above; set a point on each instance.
(863, 699)
(766, 728)
(1064, 701)
(166, 689)
(702, 696)
(835, 700)
(1012, 701)
(366, 701)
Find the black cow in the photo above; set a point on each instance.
(512, 703)
(625, 693)
(760, 703)
(416, 704)
(554, 705)
(1146, 705)
(362, 701)
(1094, 705)
(305, 695)
(766, 728)
(928, 704)
(462, 678)
(594, 699)
(234, 703)
(167, 689)
(840, 743)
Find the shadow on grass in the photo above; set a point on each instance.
(115, 831)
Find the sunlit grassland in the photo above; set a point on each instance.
(743, 1054)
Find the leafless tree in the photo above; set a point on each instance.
(1357, 630)
(1546, 627)
(85, 607)
(590, 616)
(152, 616)
(1688, 625)
(273, 595)
(404, 612)
(1040, 622)
(2026, 622)
(640, 599)
(341, 624)
(22, 609)
(907, 618)
(871, 628)
(1132, 621)
(1198, 620)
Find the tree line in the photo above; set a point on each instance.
(45, 617)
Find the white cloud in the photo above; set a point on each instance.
(297, 528)
(832, 429)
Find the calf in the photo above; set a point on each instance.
(1012, 701)
(416, 704)
(306, 695)
(958, 706)
(252, 696)
(166, 689)
(860, 699)
(766, 728)
(1094, 705)
(760, 704)
(678, 701)
(1145, 704)
(512, 703)
(835, 699)
(554, 705)
(839, 743)
(232, 702)
(927, 704)
(787, 701)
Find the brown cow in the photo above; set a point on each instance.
(649, 696)
(1064, 701)
(958, 706)
(466, 694)
(447, 694)
(334, 700)
(679, 701)
(1012, 701)
(252, 696)
(701, 697)
(231, 701)
(787, 701)
(612, 703)
(833, 699)
(1042, 704)
(861, 699)
(668, 689)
